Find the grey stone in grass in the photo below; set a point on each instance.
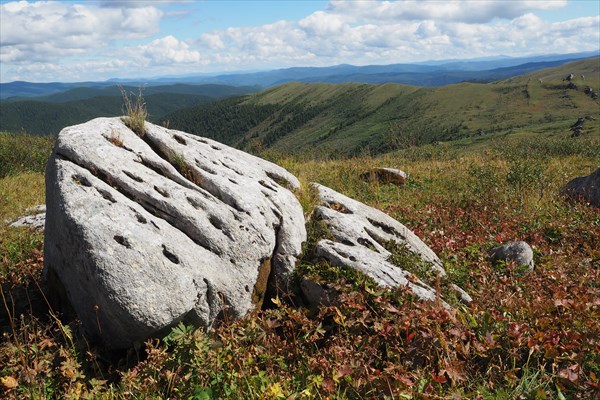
(386, 175)
(518, 252)
(35, 218)
(585, 188)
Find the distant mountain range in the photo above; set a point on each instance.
(421, 74)
(432, 73)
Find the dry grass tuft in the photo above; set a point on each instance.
(135, 111)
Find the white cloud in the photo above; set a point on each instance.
(49, 31)
(165, 51)
(388, 32)
(322, 23)
(138, 3)
(77, 40)
(470, 11)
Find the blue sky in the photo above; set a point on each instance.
(97, 40)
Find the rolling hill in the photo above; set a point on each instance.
(351, 118)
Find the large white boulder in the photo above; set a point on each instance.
(144, 232)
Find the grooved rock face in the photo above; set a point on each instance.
(359, 235)
(142, 233)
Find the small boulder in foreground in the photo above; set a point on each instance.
(518, 252)
(386, 175)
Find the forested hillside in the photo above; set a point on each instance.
(49, 114)
(44, 118)
(351, 118)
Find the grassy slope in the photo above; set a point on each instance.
(352, 118)
(533, 336)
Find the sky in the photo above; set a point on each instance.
(94, 40)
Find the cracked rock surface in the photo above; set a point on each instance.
(359, 235)
(144, 232)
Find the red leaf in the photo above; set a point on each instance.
(441, 378)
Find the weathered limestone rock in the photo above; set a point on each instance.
(386, 175)
(586, 188)
(145, 232)
(35, 218)
(359, 235)
(518, 252)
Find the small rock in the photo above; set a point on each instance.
(518, 252)
(586, 188)
(386, 175)
(462, 295)
(317, 294)
(36, 218)
(571, 85)
(579, 123)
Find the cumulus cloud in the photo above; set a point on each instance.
(470, 11)
(165, 51)
(49, 31)
(36, 37)
(138, 3)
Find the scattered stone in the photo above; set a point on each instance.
(569, 77)
(385, 175)
(35, 218)
(358, 238)
(577, 127)
(590, 92)
(579, 123)
(462, 295)
(572, 85)
(318, 294)
(518, 252)
(585, 188)
(144, 232)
